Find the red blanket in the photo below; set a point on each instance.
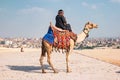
(61, 39)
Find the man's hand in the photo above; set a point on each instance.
(65, 24)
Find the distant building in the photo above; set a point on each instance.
(8, 42)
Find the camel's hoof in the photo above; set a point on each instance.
(56, 71)
(43, 72)
(68, 71)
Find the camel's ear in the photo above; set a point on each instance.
(88, 22)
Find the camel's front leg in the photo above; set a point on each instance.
(68, 54)
(49, 61)
(67, 62)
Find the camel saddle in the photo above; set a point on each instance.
(62, 39)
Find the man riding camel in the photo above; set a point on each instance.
(61, 25)
(61, 21)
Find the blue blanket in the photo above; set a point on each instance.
(49, 37)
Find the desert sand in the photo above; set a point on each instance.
(15, 65)
(108, 55)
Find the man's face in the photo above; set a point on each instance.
(62, 13)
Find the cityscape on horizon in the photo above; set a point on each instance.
(36, 43)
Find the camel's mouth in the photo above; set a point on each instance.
(95, 26)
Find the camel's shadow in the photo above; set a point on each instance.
(35, 69)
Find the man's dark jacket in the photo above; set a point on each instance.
(60, 22)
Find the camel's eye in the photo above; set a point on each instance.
(91, 24)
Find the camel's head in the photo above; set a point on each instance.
(90, 25)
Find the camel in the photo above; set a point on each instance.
(47, 48)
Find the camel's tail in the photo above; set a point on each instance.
(43, 49)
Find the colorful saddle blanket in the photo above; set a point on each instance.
(61, 39)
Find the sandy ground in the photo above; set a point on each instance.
(108, 55)
(15, 65)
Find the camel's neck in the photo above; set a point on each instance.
(82, 35)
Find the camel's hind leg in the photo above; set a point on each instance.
(49, 59)
(43, 54)
(41, 62)
(68, 54)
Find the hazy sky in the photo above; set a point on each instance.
(30, 18)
